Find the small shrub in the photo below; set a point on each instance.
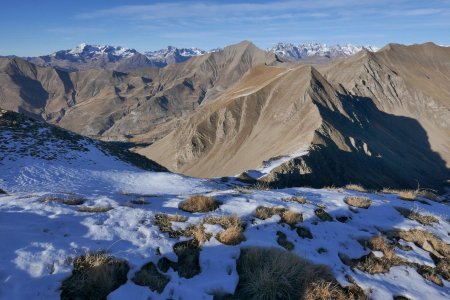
(276, 274)
(199, 203)
(416, 216)
(149, 276)
(94, 276)
(360, 202)
(93, 209)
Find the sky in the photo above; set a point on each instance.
(31, 27)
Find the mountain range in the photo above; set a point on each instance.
(85, 57)
(379, 119)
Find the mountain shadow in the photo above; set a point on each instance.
(366, 146)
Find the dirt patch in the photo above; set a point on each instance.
(94, 276)
(304, 232)
(283, 241)
(199, 203)
(323, 215)
(360, 202)
(94, 209)
(149, 276)
(188, 265)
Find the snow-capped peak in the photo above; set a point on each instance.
(317, 49)
(84, 51)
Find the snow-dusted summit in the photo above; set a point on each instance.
(302, 51)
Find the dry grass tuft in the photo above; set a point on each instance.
(264, 212)
(356, 187)
(297, 199)
(291, 217)
(231, 236)
(416, 216)
(225, 221)
(164, 222)
(198, 233)
(331, 290)
(355, 201)
(269, 273)
(149, 276)
(94, 209)
(233, 228)
(199, 203)
(94, 276)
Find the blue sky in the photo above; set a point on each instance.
(32, 27)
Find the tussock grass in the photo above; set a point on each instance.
(270, 273)
(233, 228)
(355, 187)
(304, 232)
(231, 236)
(198, 233)
(199, 203)
(360, 202)
(94, 209)
(164, 222)
(94, 276)
(291, 217)
(264, 212)
(416, 216)
(331, 290)
(411, 195)
(296, 199)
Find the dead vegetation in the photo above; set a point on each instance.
(94, 276)
(355, 187)
(412, 195)
(360, 202)
(287, 216)
(199, 203)
(304, 232)
(233, 226)
(64, 200)
(373, 264)
(139, 201)
(269, 273)
(296, 199)
(416, 216)
(94, 209)
(149, 276)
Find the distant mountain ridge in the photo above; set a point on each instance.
(301, 51)
(118, 58)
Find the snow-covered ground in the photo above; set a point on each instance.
(38, 238)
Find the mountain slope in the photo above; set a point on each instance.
(274, 113)
(117, 106)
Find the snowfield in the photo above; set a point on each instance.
(40, 237)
